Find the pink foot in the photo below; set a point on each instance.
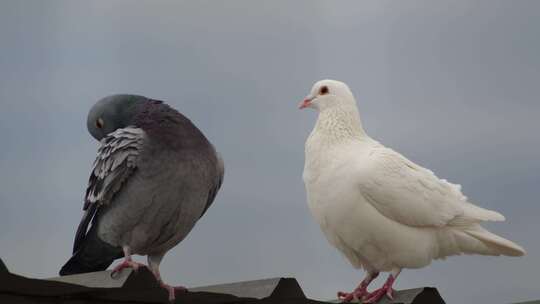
(127, 263)
(172, 290)
(358, 293)
(378, 294)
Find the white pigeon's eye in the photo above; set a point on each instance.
(99, 123)
(323, 90)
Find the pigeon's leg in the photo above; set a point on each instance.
(360, 291)
(127, 263)
(153, 263)
(386, 289)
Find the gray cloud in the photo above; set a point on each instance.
(453, 86)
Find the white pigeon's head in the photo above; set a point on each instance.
(326, 94)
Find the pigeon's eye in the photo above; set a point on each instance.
(323, 90)
(99, 123)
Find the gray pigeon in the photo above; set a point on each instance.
(154, 176)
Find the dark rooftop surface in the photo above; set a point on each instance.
(141, 287)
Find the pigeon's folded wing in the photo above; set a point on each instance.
(414, 196)
(220, 169)
(115, 163)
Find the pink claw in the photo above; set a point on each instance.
(358, 293)
(378, 294)
(127, 263)
(172, 290)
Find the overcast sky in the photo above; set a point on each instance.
(452, 85)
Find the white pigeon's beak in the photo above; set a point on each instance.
(306, 103)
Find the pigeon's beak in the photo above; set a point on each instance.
(306, 103)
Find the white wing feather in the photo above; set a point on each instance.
(413, 195)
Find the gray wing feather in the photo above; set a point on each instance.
(115, 163)
(116, 160)
(219, 180)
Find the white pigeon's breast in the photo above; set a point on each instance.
(331, 194)
(350, 223)
(343, 215)
(327, 158)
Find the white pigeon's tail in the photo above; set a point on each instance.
(474, 239)
(476, 213)
(497, 244)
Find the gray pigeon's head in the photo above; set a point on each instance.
(112, 113)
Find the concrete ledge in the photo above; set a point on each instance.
(99, 279)
(141, 287)
(415, 296)
(257, 289)
(423, 295)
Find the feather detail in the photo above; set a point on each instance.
(114, 164)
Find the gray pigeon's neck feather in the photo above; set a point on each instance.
(169, 127)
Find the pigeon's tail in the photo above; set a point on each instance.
(498, 245)
(93, 255)
(481, 214)
(474, 239)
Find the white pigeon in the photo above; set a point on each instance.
(381, 210)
